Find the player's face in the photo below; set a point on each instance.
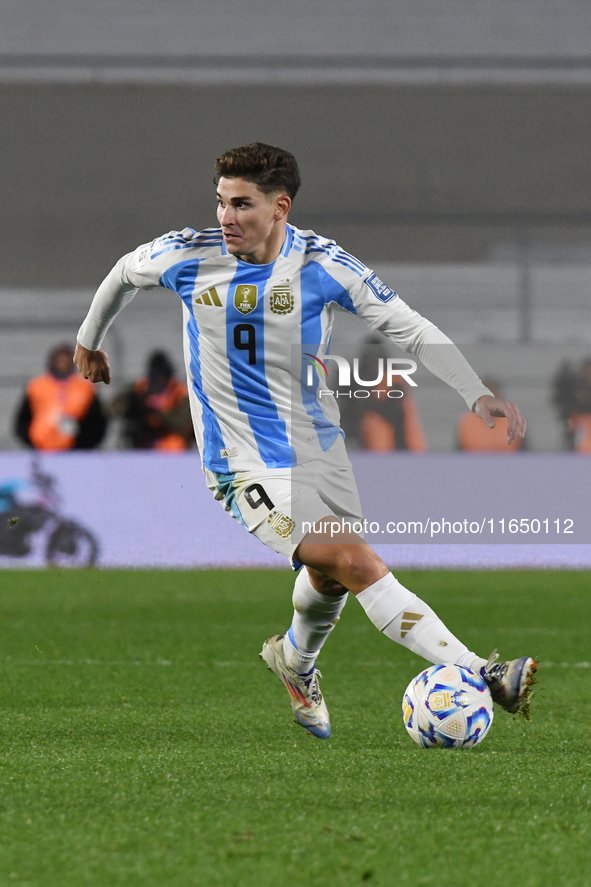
(251, 220)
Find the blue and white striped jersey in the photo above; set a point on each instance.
(251, 407)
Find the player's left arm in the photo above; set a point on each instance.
(384, 310)
(487, 407)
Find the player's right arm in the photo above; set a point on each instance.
(132, 271)
(93, 365)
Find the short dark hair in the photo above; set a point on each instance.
(268, 167)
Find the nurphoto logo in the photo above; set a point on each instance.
(387, 370)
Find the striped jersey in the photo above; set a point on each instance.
(244, 328)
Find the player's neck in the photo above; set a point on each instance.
(267, 251)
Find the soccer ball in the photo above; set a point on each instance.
(447, 706)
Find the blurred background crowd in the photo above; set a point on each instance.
(444, 145)
(62, 411)
(59, 410)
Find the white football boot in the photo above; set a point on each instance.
(305, 697)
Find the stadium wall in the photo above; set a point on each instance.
(394, 173)
(154, 510)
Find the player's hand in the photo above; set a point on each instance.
(93, 365)
(488, 406)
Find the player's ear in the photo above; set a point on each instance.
(282, 206)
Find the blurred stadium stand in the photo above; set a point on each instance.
(446, 144)
(477, 305)
(483, 34)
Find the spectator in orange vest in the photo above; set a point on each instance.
(473, 438)
(156, 410)
(579, 425)
(60, 409)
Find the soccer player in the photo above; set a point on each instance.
(251, 290)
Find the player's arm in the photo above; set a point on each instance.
(93, 365)
(417, 335)
(488, 406)
(438, 353)
(115, 292)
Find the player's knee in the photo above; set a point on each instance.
(361, 564)
(325, 584)
(356, 566)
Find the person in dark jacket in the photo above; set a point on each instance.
(155, 410)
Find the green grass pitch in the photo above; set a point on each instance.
(142, 741)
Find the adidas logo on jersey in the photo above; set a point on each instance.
(209, 298)
(409, 620)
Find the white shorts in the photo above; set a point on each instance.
(280, 505)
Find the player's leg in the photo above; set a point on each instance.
(324, 484)
(262, 504)
(292, 656)
(404, 617)
(338, 561)
(393, 609)
(317, 605)
(318, 600)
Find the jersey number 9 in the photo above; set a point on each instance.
(245, 340)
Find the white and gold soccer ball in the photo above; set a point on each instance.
(447, 706)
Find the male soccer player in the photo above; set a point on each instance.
(252, 289)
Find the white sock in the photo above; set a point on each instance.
(409, 621)
(476, 665)
(315, 615)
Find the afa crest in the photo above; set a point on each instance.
(281, 523)
(282, 298)
(246, 297)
